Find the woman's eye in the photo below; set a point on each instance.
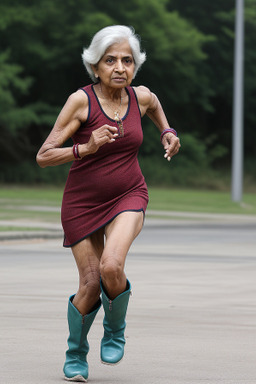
(109, 60)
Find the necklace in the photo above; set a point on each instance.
(116, 114)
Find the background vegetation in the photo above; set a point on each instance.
(189, 46)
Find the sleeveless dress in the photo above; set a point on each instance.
(108, 182)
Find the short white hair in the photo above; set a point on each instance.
(106, 37)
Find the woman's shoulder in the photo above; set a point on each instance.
(143, 94)
(78, 98)
(81, 94)
(77, 104)
(141, 89)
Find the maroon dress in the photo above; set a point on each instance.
(108, 182)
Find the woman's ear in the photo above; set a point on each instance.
(94, 68)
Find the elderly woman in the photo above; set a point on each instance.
(106, 196)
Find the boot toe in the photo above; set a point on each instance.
(112, 351)
(76, 371)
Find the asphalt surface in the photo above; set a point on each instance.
(191, 318)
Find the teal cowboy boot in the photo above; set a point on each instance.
(113, 341)
(76, 366)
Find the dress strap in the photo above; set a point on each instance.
(133, 95)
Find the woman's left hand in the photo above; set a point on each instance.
(171, 145)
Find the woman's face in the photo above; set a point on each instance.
(116, 68)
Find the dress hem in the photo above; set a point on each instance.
(103, 225)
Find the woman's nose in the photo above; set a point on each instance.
(119, 66)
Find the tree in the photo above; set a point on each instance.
(217, 19)
(189, 65)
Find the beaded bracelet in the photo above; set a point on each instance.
(168, 130)
(76, 152)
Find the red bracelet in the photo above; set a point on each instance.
(171, 130)
(76, 152)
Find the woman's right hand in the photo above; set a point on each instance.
(103, 135)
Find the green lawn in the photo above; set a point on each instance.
(17, 229)
(200, 201)
(34, 195)
(24, 202)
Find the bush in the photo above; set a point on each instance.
(191, 167)
(31, 173)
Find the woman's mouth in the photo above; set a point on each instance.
(119, 79)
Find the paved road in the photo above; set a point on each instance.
(191, 319)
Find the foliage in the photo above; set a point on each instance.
(189, 65)
(193, 167)
(217, 18)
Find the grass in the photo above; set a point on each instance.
(23, 214)
(31, 203)
(188, 200)
(33, 195)
(17, 229)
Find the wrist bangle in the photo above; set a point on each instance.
(76, 152)
(168, 130)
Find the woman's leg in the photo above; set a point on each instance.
(83, 307)
(87, 254)
(120, 234)
(115, 287)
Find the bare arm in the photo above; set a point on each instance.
(74, 112)
(150, 105)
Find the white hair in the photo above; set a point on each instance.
(106, 37)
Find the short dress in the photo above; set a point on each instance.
(102, 185)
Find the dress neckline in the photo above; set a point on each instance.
(102, 110)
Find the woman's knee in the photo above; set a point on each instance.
(89, 283)
(111, 270)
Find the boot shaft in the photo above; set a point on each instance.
(79, 326)
(113, 341)
(115, 310)
(76, 366)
